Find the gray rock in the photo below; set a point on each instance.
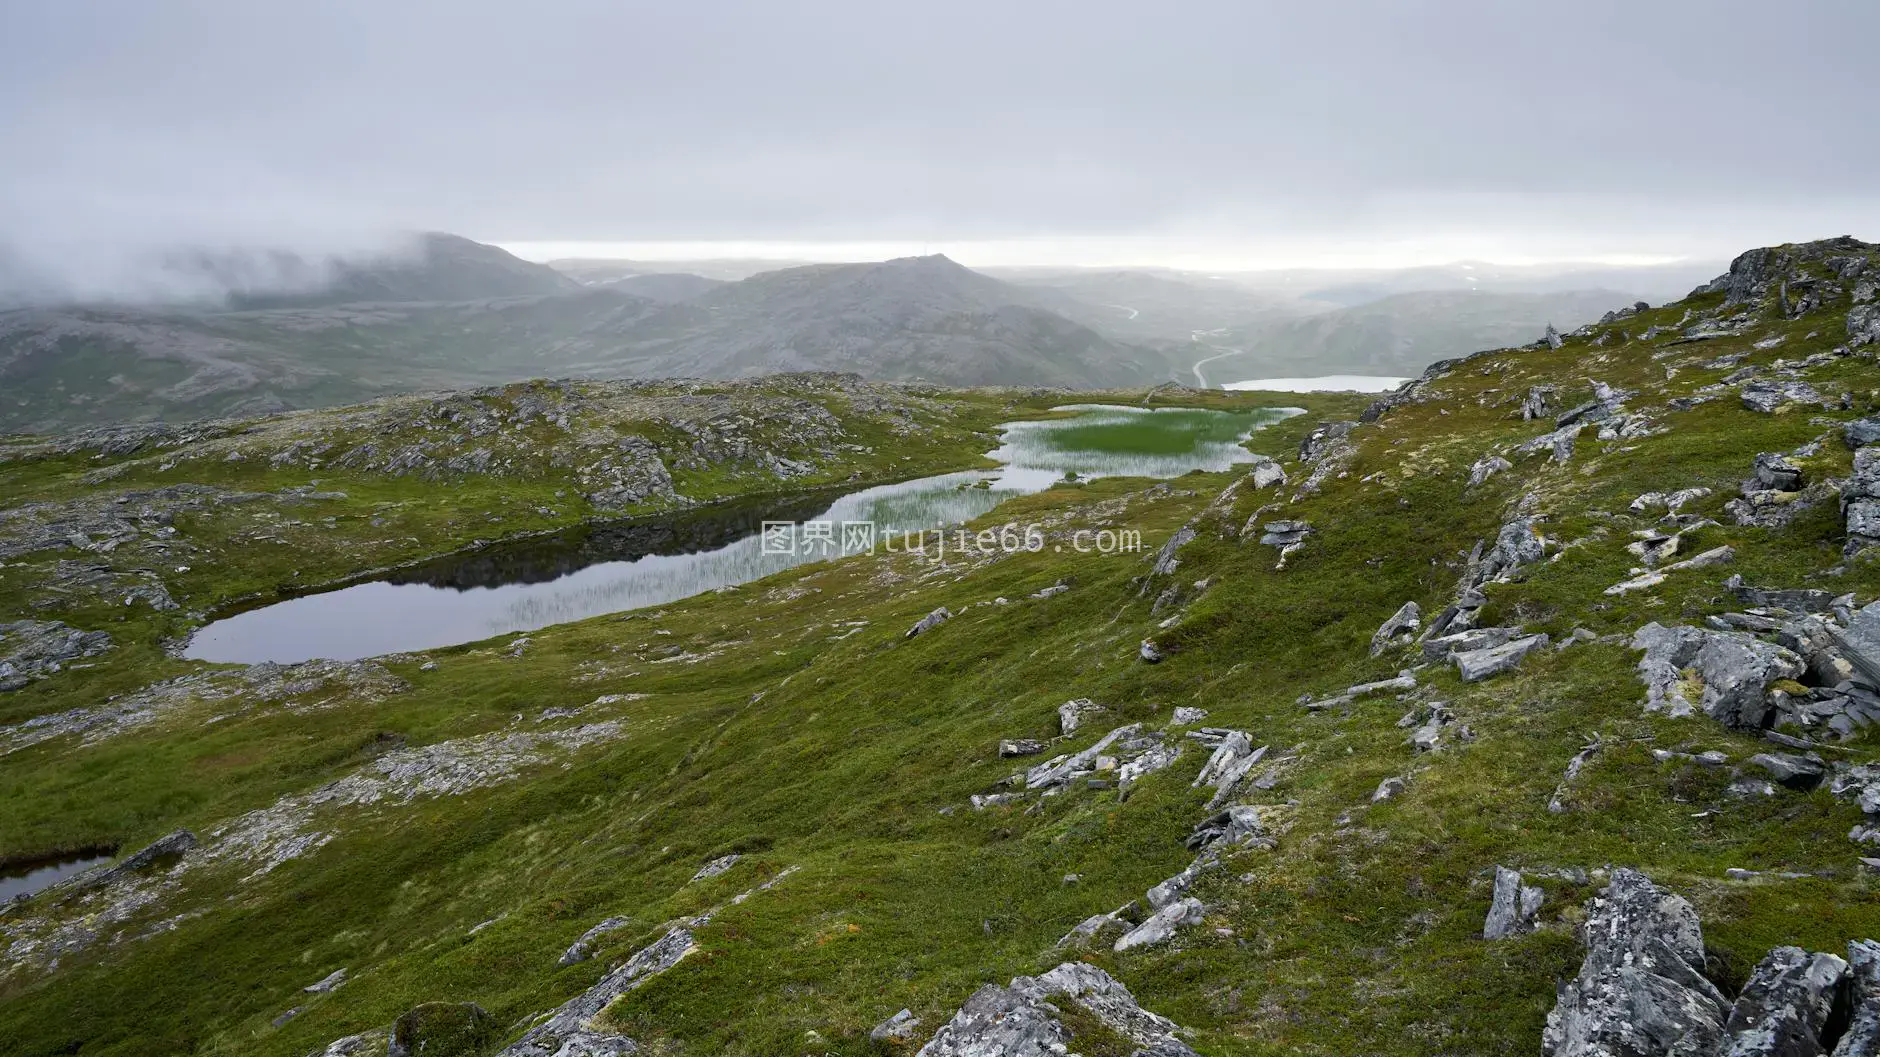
(1443, 647)
(1486, 467)
(1149, 652)
(1783, 1010)
(35, 649)
(717, 866)
(1020, 747)
(1476, 665)
(1860, 501)
(1072, 713)
(1862, 1038)
(1160, 926)
(1166, 559)
(1799, 600)
(1539, 402)
(1860, 641)
(1513, 908)
(570, 1030)
(1796, 772)
(1733, 670)
(1768, 396)
(1560, 442)
(1285, 533)
(1862, 431)
(1186, 715)
(1714, 556)
(1061, 769)
(1641, 989)
(1400, 629)
(1236, 825)
(898, 1028)
(583, 949)
(1388, 789)
(1265, 473)
(1774, 472)
(930, 622)
(1025, 1019)
(327, 984)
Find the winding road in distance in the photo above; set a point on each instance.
(1221, 352)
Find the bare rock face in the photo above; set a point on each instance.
(1025, 1018)
(1641, 990)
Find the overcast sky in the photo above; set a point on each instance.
(1214, 133)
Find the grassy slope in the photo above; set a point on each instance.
(803, 742)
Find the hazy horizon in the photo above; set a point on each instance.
(1214, 136)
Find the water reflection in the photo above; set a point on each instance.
(634, 565)
(26, 881)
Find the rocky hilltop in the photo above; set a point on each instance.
(1531, 707)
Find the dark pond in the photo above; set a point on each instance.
(26, 880)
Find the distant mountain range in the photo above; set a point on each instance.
(1403, 333)
(454, 313)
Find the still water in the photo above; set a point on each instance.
(25, 882)
(649, 562)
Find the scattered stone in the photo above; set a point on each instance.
(1230, 764)
(1150, 652)
(1160, 926)
(583, 949)
(35, 649)
(1442, 648)
(1188, 716)
(1862, 431)
(1476, 665)
(1486, 467)
(1796, 772)
(1405, 681)
(1025, 1019)
(1557, 805)
(1284, 534)
(1539, 402)
(1265, 473)
(1020, 747)
(1388, 789)
(1399, 630)
(930, 622)
(327, 984)
(898, 1028)
(717, 866)
(1059, 770)
(1514, 906)
(1769, 396)
(364, 1044)
(1072, 713)
(1053, 591)
(1713, 556)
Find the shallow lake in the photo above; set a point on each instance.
(1326, 383)
(611, 568)
(27, 880)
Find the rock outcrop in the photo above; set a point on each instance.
(1026, 1018)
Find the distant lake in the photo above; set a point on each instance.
(609, 568)
(1327, 383)
(25, 880)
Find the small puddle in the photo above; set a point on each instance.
(628, 565)
(24, 881)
